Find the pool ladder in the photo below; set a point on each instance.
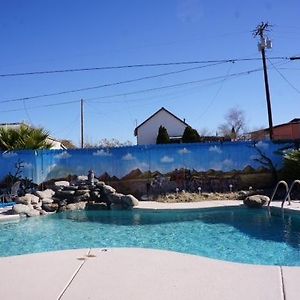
(287, 190)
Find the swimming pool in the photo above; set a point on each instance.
(233, 234)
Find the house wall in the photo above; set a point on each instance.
(289, 131)
(147, 133)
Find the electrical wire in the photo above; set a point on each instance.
(136, 66)
(110, 84)
(284, 78)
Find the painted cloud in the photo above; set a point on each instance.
(215, 149)
(128, 156)
(166, 159)
(102, 153)
(63, 155)
(184, 151)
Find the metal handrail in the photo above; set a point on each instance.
(289, 192)
(275, 190)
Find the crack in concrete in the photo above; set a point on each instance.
(282, 283)
(73, 277)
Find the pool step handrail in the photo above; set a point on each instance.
(288, 197)
(281, 182)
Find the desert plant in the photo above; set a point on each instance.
(23, 138)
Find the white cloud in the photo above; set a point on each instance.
(102, 153)
(128, 156)
(27, 165)
(63, 155)
(166, 159)
(184, 151)
(9, 154)
(215, 149)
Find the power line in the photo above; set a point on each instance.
(135, 66)
(285, 79)
(109, 84)
(145, 90)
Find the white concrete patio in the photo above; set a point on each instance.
(141, 274)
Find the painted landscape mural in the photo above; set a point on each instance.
(156, 168)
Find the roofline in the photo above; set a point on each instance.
(135, 130)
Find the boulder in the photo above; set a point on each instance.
(96, 206)
(47, 201)
(64, 194)
(84, 197)
(82, 178)
(51, 207)
(256, 201)
(130, 200)
(107, 189)
(27, 199)
(62, 183)
(33, 213)
(115, 198)
(76, 206)
(81, 192)
(21, 209)
(48, 193)
(100, 184)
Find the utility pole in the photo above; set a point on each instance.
(81, 123)
(265, 43)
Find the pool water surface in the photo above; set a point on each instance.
(233, 234)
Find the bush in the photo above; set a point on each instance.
(190, 135)
(162, 136)
(291, 168)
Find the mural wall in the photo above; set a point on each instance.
(136, 169)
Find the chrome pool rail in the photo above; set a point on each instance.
(289, 192)
(281, 182)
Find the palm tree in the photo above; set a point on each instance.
(24, 138)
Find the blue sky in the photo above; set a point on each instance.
(60, 34)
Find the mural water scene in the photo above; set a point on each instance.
(136, 169)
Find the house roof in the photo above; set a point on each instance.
(294, 121)
(162, 109)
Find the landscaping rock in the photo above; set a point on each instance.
(47, 201)
(116, 198)
(27, 199)
(45, 194)
(21, 209)
(81, 192)
(256, 201)
(62, 183)
(130, 200)
(108, 189)
(33, 213)
(96, 206)
(50, 207)
(76, 206)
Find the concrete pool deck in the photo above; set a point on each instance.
(130, 273)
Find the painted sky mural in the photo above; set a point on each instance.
(48, 164)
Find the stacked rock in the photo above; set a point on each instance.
(76, 195)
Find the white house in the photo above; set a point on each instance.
(147, 131)
(56, 144)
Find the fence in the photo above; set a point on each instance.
(136, 169)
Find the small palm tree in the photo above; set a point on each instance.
(24, 138)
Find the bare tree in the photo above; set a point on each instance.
(108, 143)
(234, 124)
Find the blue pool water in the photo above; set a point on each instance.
(232, 234)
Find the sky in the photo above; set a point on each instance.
(63, 34)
